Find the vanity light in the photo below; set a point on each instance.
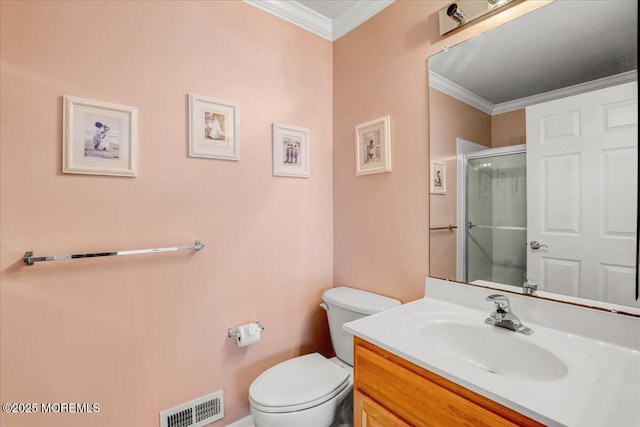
(495, 3)
(456, 13)
(462, 12)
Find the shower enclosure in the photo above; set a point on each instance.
(492, 216)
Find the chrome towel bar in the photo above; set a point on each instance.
(470, 225)
(449, 227)
(29, 259)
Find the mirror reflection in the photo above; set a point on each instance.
(533, 126)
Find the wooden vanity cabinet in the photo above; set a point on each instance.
(392, 392)
(371, 414)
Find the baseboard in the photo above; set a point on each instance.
(242, 422)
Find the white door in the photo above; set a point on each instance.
(582, 182)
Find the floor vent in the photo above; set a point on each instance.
(199, 412)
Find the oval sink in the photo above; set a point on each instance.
(495, 350)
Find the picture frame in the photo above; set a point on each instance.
(438, 177)
(373, 147)
(99, 138)
(213, 128)
(290, 151)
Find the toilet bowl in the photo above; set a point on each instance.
(309, 390)
(303, 391)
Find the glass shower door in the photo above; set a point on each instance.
(496, 219)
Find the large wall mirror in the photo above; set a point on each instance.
(534, 155)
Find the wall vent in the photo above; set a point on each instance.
(197, 413)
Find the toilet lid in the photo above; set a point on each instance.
(297, 384)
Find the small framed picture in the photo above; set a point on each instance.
(438, 177)
(99, 138)
(290, 151)
(373, 147)
(213, 128)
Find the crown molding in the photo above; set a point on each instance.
(312, 21)
(438, 82)
(297, 14)
(602, 83)
(356, 15)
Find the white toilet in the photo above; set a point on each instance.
(308, 390)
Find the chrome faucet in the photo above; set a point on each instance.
(529, 288)
(503, 317)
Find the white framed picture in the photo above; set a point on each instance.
(373, 147)
(438, 177)
(213, 128)
(99, 138)
(290, 151)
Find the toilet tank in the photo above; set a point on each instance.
(345, 304)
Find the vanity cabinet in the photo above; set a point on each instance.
(390, 391)
(368, 413)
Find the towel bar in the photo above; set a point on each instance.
(29, 259)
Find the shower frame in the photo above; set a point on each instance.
(462, 160)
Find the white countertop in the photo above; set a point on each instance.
(602, 387)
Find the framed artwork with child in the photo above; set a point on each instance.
(99, 138)
(373, 147)
(213, 128)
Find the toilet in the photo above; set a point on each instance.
(309, 390)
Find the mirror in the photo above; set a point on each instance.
(534, 155)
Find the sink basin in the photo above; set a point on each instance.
(493, 349)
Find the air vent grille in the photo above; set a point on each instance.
(207, 409)
(181, 419)
(197, 413)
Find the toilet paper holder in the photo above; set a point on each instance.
(235, 333)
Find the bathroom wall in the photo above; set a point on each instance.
(509, 128)
(381, 236)
(381, 221)
(144, 333)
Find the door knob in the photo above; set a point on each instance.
(537, 245)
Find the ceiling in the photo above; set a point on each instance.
(332, 9)
(566, 43)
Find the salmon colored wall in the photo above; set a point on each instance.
(450, 119)
(509, 129)
(381, 221)
(144, 333)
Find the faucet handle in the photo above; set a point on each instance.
(501, 301)
(528, 288)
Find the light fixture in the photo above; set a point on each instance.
(463, 12)
(495, 3)
(455, 13)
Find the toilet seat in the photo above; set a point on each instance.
(297, 384)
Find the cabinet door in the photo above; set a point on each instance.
(423, 398)
(369, 414)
